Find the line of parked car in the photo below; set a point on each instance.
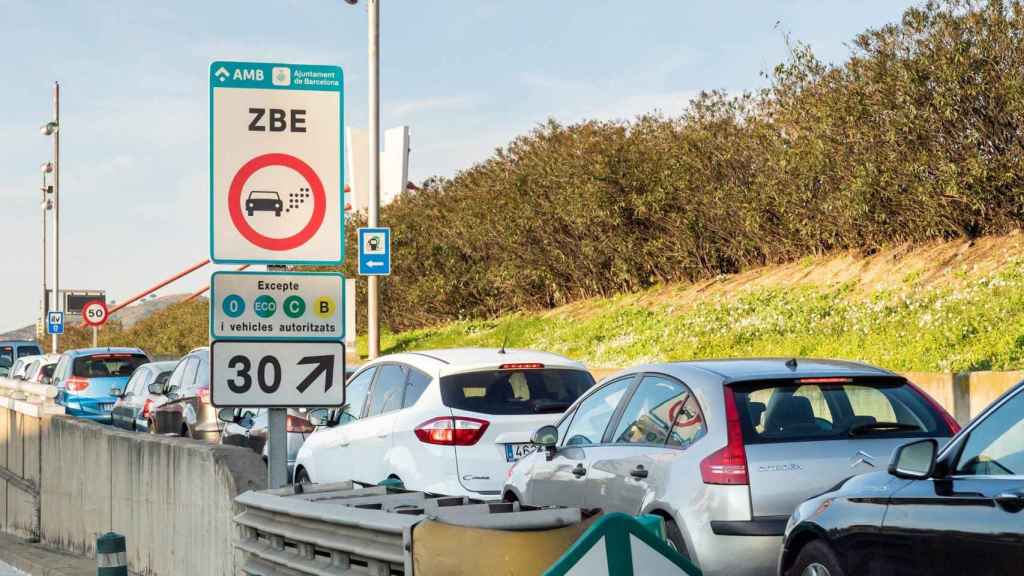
(758, 466)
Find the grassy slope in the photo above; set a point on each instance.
(953, 306)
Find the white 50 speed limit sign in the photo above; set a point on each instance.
(94, 313)
(277, 374)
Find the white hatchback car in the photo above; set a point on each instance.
(442, 421)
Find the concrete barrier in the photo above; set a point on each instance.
(65, 481)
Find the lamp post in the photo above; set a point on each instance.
(44, 205)
(373, 213)
(52, 128)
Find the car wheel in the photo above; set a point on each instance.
(675, 537)
(816, 559)
(185, 431)
(302, 477)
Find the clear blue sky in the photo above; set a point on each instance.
(466, 75)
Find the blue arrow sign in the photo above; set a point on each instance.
(374, 251)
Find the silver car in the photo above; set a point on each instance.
(724, 450)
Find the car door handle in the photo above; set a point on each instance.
(579, 471)
(1011, 501)
(639, 472)
(384, 435)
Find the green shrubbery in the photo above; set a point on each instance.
(919, 135)
(976, 326)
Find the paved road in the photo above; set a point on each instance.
(8, 570)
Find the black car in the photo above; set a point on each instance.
(958, 510)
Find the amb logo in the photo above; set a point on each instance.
(223, 74)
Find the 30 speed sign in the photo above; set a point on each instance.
(277, 374)
(95, 313)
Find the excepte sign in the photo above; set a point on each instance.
(276, 163)
(277, 306)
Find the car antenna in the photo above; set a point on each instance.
(504, 340)
(791, 363)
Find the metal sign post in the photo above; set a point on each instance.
(276, 198)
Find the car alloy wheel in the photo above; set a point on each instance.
(815, 569)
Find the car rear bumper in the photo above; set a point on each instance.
(759, 526)
(740, 555)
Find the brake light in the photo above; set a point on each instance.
(204, 395)
(954, 426)
(728, 465)
(296, 424)
(146, 407)
(830, 380)
(521, 366)
(76, 384)
(452, 431)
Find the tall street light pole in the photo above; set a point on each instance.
(52, 128)
(373, 287)
(44, 205)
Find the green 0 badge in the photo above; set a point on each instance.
(294, 306)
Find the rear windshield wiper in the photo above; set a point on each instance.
(548, 406)
(868, 427)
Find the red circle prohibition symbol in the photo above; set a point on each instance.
(235, 201)
(673, 413)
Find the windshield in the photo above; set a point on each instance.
(534, 391)
(259, 195)
(108, 365)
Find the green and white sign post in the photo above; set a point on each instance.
(276, 198)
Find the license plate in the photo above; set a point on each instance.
(106, 407)
(515, 452)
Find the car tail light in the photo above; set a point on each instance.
(76, 384)
(521, 366)
(204, 395)
(146, 407)
(728, 465)
(297, 424)
(452, 431)
(954, 426)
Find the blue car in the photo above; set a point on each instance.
(84, 379)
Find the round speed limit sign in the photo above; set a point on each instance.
(94, 313)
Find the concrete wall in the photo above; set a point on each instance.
(172, 498)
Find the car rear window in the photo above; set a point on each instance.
(104, 365)
(834, 408)
(528, 391)
(29, 351)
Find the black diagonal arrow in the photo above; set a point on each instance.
(323, 364)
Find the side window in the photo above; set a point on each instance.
(387, 390)
(137, 382)
(594, 414)
(414, 387)
(660, 403)
(203, 371)
(29, 351)
(174, 383)
(355, 396)
(58, 371)
(188, 379)
(996, 446)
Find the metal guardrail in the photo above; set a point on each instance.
(343, 529)
(29, 397)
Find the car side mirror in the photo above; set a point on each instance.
(227, 415)
(116, 392)
(319, 417)
(546, 437)
(156, 388)
(914, 461)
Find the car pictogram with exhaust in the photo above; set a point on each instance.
(263, 201)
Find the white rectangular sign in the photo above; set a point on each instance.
(277, 374)
(276, 163)
(277, 306)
